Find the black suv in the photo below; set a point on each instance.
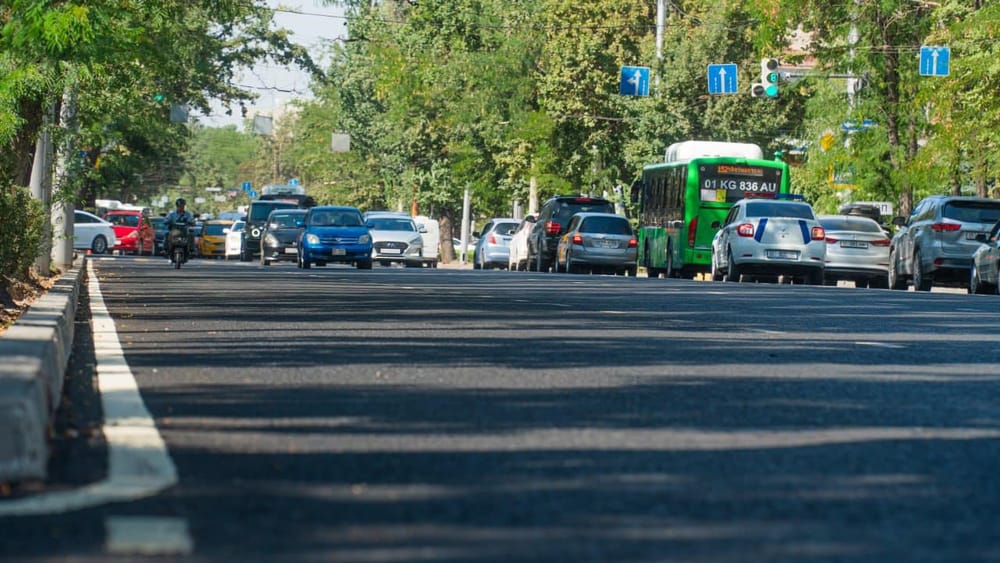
(552, 222)
(256, 220)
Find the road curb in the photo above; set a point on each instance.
(34, 353)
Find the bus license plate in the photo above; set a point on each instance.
(853, 244)
(338, 252)
(783, 254)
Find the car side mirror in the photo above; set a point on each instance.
(716, 224)
(475, 234)
(531, 218)
(300, 224)
(422, 229)
(899, 221)
(226, 230)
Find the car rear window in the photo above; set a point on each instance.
(972, 211)
(850, 224)
(776, 209)
(608, 225)
(505, 229)
(124, 220)
(565, 210)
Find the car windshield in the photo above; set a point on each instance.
(124, 220)
(850, 224)
(972, 211)
(776, 209)
(608, 225)
(214, 230)
(286, 220)
(260, 211)
(389, 224)
(335, 219)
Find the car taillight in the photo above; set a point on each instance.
(939, 227)
(491, 239)
(831, 240)
(745, 230)
(552, 228)
(577, 239)
(818, 233)
(692, 231)
(880, 242)
(632, 243)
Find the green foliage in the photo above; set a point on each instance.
(20, 230)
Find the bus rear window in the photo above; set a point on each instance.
(730, 183)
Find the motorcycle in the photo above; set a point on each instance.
(179, 242)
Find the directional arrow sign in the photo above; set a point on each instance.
(635, 81)
(722, 79)
(935, 61)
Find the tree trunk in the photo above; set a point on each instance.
(24, 143)
(446, 223)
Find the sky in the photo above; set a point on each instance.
(315, 28)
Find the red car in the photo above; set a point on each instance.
(133, 231)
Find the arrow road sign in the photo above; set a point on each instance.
(722, 79)
(635, 81)
(935, 61)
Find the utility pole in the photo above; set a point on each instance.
(661, 24)
(62, 207)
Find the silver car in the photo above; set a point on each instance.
(597, 241)
(856, 250)
(493, 247)
(934, 246)
(395, 238)
(769, 238)
(984, 275)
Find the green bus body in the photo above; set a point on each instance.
(675, 197)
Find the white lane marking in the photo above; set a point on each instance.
(880, 344)
(147, 535)
(138, 462)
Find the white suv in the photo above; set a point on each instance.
(769, 238)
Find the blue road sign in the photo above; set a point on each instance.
(935, 61)
(247, 186)
(252, 194)
(293, 182)
(635, 81)
(722, 79)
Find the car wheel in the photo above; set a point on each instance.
(99, 245)
(880, 282)
(364, 264)
(651, 272)
(476, 264)
(815, 278)
(715, 272)
(732, 269)
(895, 280)
(974, 286)
(264, 261)
(921, 280)
(996, 287)
(668, 270)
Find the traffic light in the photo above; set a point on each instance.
(769, 77)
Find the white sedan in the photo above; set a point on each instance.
(234, 239)
(90, 232)
(770, 238)
(517, 258)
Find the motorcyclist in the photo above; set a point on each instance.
(179, 217)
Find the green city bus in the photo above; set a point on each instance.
(683, 201)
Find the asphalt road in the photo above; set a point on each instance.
(452, 416)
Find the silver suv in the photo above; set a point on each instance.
(935, 244)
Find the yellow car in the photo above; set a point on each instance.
(212, 239)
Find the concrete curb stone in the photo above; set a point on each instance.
(34, 353)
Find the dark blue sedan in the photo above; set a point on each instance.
(334, 234)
